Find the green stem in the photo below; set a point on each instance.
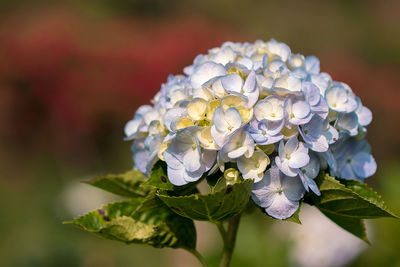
(198, 256)
(229, 241)
(222, 232)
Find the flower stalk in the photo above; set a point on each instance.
(229, 240)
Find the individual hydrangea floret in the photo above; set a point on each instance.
(278, 194)
(258, 109)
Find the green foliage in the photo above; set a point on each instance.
(140, 221)
(161, 214)
(128, 184)
(215, 206)
(348, 202)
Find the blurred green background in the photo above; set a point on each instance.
(73, 72)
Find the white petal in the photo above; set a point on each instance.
(206, 72)
(250, 84)
(281, 207)
(224, 56)
(172, 116)
(208, 158)
(233, 118)
(301, 109)
(277, 48)
(236, 153)
(284, 167)
(219, 120)
(364, 115)
(176, 176)
(131, 128)
(312, 64)
(232, 82)
(220, 138)
(291, 145)
(298, 160)
(252, 98)
(263, 196)
(311, 93)
(192, 161)
(172, 160)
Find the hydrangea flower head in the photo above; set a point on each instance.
(240, 98)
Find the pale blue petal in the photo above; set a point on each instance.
(262, 195)
(281, 207)
(290, 146)
(284, 167)
(311, 93)
(176, 176)
(319, 145)
(349, 123)
(346, 171)
(311, 170)
(292, 187)
(363, 165)
(312, 64)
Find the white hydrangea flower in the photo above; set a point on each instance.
(253, 167)
(278, 194)
(186, 161)
(233, 83)
(270, 109)
(205, 72)
(292, 155)
(240, 97)
(239, 143)
(266, 132)
(297, 110)
(225, 123)
(340, 99)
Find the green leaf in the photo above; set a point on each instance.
(126, 184)
(347, 203)
(140, 221)
(216, 206)
(214, 178)
(368, 194)
(355, 200)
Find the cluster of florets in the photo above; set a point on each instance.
(270, 113)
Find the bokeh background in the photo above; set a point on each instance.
(72, 72)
